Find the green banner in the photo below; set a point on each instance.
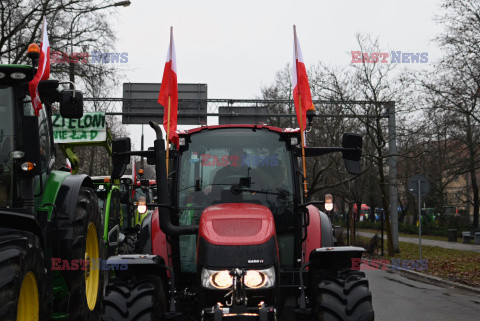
(90, 128)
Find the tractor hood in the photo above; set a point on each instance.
(237, 224)
(237, 235)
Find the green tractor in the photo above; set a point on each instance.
(123, 205)
(122, 198)
(51, 231)
(115, 205)
(429, 216)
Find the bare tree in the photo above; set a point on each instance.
(455, 85)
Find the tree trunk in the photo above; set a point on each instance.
(472, 170)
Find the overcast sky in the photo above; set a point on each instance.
(236, 47)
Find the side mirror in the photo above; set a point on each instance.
(353, 145)
(120, 148)
(48, 90)
(120, 158)
(71, 106)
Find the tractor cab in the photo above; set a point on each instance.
(218, 165)
(26, 142)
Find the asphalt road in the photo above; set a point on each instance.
(398, 298)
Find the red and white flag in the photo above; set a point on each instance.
(168, 96)
(43, 71)
(69, 164)
(301, 88)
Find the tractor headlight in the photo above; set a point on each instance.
(2, 74)
(253, 279)
(221, 279)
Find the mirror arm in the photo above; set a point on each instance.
(73, 85)
(304, 205)
(142, 153)
(319, 151)
(152, 205)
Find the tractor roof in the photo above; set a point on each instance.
(6, 71)
(259, 126)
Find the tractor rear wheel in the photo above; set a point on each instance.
(344, 296)
(128, 245)
(86, 285)
(22, 268)
(141, 299)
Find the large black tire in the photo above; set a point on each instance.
(87, 211)
(129, 244)
(140, 299)
(20, 254)
(344, 296)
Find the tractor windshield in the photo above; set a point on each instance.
(6, 144)
(236, 165)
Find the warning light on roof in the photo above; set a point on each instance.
(33, 51)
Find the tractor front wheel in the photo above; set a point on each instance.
(344, 296)
(22, 267)
(86, 284)
(141, 298)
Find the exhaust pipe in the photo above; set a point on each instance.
(157, 129)
(162, 188)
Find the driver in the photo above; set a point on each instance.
(231, 173)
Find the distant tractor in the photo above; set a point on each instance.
(51, 227)
(231, 236)
(429, 216)
(364, 214)
(139, 194)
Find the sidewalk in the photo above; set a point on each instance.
(444, 244)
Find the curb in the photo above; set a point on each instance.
(434, 279)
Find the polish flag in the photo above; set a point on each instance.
(168, 96)
(43, 71)
(69, 164)
(301, 88)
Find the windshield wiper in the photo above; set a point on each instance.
(237, 189)
(195, 186)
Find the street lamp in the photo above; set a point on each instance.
(71, 64)
(123, 3)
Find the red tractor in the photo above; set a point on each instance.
(232, 238)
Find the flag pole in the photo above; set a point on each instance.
(302, 140)
(300, 119)
(169, 98)
(168, 134)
